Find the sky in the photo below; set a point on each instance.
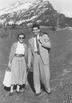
(62, 6)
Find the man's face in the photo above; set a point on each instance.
(36, 31)
(21, 38)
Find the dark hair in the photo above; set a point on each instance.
(19, 35)
(35, 25)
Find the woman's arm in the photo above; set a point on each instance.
(29, 55)
(12, 53)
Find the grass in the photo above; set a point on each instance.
(60, 64)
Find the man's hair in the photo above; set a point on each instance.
(35, 25)
(19, 35)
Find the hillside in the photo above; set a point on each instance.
(60, 67)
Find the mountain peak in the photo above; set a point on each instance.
(27, 12)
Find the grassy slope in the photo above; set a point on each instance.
(60, 58)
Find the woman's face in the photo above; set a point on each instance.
(21, 38)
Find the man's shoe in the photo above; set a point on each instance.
(49, 91)
(38, 94)
(17, 92)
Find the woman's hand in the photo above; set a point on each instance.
(8, 69)
(29, 65)
(9, 65)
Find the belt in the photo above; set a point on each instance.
(19, 55)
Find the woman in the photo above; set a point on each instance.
(17, 63)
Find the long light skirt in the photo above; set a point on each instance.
(18, 69)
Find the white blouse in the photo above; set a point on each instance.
(20, 48)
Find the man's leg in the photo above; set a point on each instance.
(42, 72)
(36, 75)
(47, 76)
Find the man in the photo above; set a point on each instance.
(39, 55)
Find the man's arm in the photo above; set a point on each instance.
(45, 42)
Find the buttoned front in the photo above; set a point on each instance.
(20, 48)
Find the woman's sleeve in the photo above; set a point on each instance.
(26, 52)
(29, 53)
(11, 53)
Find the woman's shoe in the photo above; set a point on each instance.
(11, 91)
(22, 90)
(18, 89)
(49, 91)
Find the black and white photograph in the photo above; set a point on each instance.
(35, 51)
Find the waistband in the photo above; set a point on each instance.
(19, 55)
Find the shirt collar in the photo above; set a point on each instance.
(19, 42)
